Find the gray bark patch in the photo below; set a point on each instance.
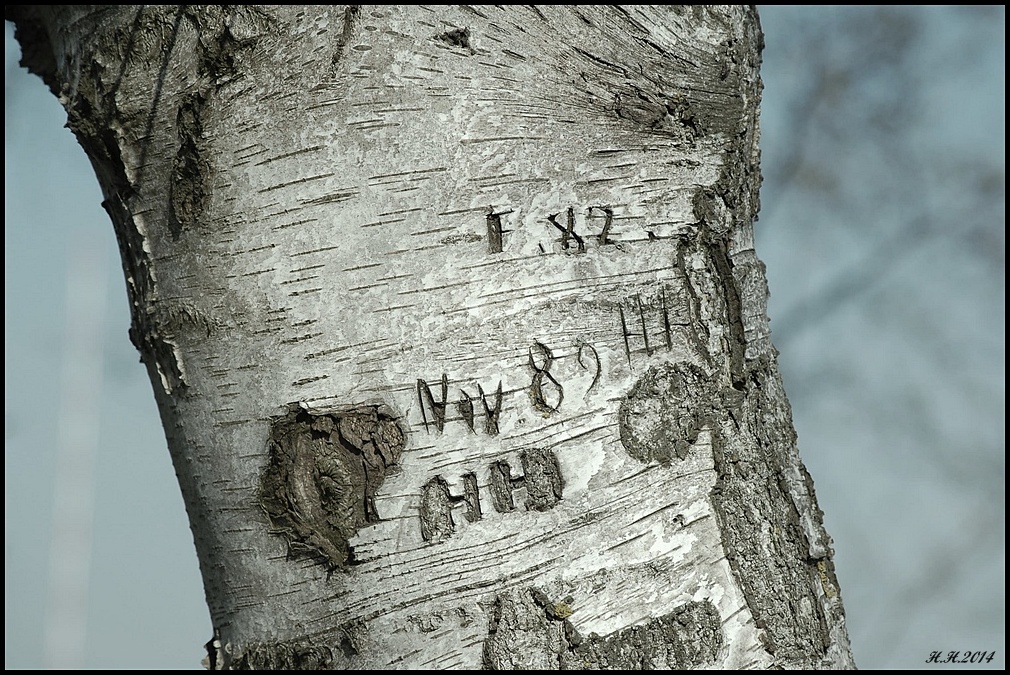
(663, 413)
(189, 190)
(529, 631)
(521, 635)
(670, 114)
(351, 15)
(761, 527)
(324, 470)
(335, 651)
(688, 637)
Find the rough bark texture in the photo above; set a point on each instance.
(456, 327)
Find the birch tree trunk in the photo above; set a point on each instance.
(456, 328)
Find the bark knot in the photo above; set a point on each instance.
(663, 413)
(322, 475)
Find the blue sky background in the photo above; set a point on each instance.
(883, 230)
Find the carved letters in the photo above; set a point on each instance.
(568, 232)
(540, 479)
(437, 504)
(495, 232)
(571, 239)
(546, 391)
(647, 326)
(437, 407)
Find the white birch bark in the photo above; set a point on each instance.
(456, 329)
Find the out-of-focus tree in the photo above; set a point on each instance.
(883, 214)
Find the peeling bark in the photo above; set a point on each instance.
(456, 329)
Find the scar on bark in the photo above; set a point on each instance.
(458, 37)
(322, 475)
(189, 190)
(663, 413)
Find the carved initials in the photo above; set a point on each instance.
(640, 322)
(609, 212)
(495, 232)
(570, 237)
(541, 478)
(491, 416)
(568, 232)
(464, 406)
(542, 375)
(437, 407)
(437, 504)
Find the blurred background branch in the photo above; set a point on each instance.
(883, 231)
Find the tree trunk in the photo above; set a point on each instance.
(456, 328)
